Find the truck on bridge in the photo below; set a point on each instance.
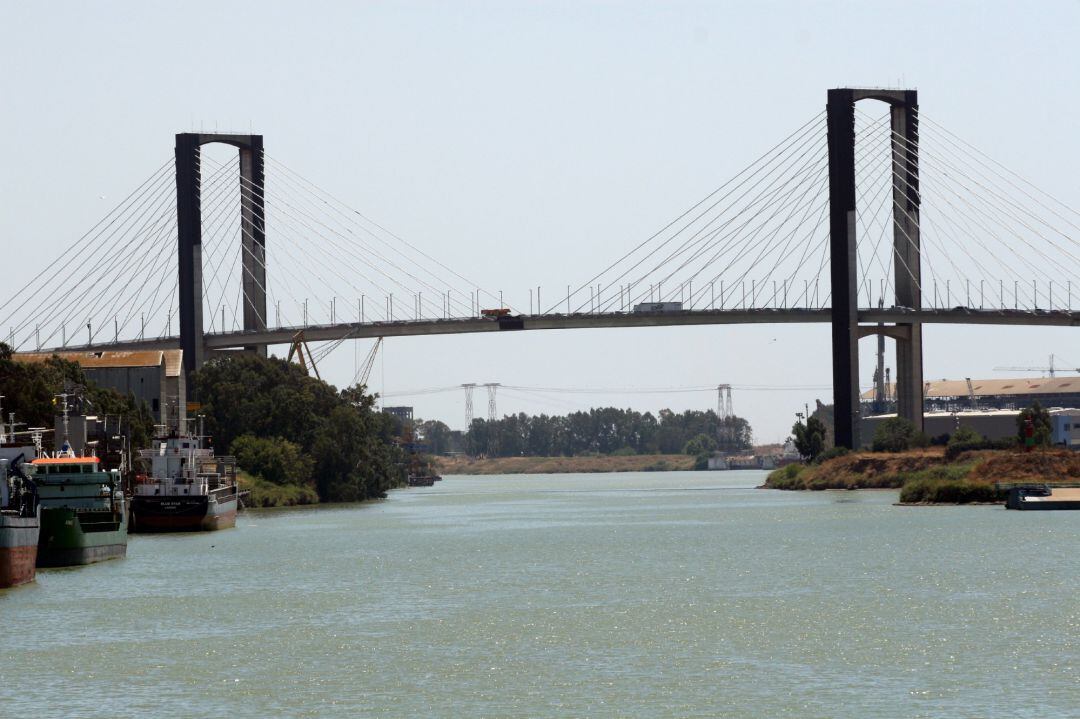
(657, 307)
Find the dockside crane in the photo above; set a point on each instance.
(300, 349)
(364, 372)
(1049, 370)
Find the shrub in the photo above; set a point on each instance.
(949, 491)
(897, 434)
(786, 477)
(965, 435)
(954, 450)
(831, 453)
(268, 494)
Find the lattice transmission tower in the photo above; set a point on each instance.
(468, 403)
(492, 387)
(723, 402)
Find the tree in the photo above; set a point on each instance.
(274, 459)
(349, 445)
(809, 438)
(702, 444)
(435, 436)
(897, 434)
(605, 430)
(1040, 418)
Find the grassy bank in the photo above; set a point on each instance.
(563, 465)
(268, 494)
(927, 476)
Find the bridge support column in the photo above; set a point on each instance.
(843, 262)
(907, 267)
(253, 239)
(189, 232)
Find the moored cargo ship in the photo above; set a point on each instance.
(187, 489)
(20, 522)
(83, 512)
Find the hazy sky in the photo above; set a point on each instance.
(528, 144)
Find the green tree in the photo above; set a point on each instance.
(701, 444)
(1042, 425)
(897, 434)
(351, 446)
(274, 459)
(809, 438)
(435, 435)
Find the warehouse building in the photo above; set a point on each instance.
(155, 377)
(988, 406)
(956, 396)
(992, 424)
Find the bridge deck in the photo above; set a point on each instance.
(412, 328)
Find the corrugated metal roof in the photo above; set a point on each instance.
(99, 360)
(994, 387)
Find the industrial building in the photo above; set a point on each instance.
(956, 395)
(988, 406)
(992, 424)
(403, 414)
(152, 376)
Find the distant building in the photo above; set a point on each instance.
(152, 376)
(404, 414)
(993, 424)
(953, 395)
(1066, 427)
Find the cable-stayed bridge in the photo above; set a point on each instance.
(874, 222)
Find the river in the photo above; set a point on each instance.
(644, 595)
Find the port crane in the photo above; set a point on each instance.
(300, 348)
(1049, 370)
(364, 372)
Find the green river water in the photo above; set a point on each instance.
(622, 595)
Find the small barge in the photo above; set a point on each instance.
(1042, 497)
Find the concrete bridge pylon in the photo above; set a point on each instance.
(846, 331)
(189, 231)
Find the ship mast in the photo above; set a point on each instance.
(65, 409)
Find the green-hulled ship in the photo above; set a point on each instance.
(84, 516)
(83, 512)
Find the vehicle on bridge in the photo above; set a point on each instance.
(658, 307)
(495, 314)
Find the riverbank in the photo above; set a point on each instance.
(564, 465)
(928, 476)
(268, 494)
